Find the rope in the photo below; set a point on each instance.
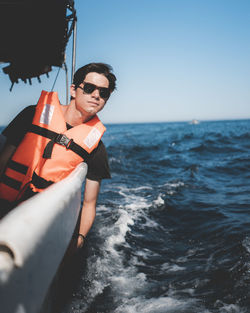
(55, 79)
(67, 82)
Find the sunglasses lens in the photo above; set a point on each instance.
(104, 93)
(88, 88)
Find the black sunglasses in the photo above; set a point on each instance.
(89, 88)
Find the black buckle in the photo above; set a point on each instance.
(63, 140)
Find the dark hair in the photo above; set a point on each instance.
(100, 68)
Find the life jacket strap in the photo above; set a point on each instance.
(18, 167)
(60, 139)
(40, 182)
(11, 182)
(42, 131)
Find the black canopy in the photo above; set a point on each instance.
(34, 35)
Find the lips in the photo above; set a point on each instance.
(94, 103)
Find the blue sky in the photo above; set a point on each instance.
(174, 60)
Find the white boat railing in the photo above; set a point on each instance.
(33, 240)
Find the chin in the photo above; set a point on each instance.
(90, 112)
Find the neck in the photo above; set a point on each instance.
(73, 116)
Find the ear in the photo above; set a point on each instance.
(72, 91)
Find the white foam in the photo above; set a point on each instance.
(108, 269)
(140, 188)
(127, 285)
(190, 253)
(246, 244)
(103, 208)
(146, 253)
(172, 267)
(114, 269)
(159, 201)
(120, 228)
(154, 305)
(171, 187)
(113, 159)
(175, 184)
(229, 308)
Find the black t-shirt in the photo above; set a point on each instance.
(98, 167)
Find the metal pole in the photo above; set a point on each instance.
(73, 50)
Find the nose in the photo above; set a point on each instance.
(96, 94)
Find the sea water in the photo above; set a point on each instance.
(172, 231)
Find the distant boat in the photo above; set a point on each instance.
(194, 122)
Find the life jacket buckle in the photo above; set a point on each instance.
(69, 143)
(63, 140)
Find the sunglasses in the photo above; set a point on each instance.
(89, 88)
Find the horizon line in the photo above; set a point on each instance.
(181, 121)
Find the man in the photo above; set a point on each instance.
(91, 88)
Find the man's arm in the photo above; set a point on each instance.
(88, 213)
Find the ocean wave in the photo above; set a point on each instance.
(246, 244)
(157, 305)
(172, 230)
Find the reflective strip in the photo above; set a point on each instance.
(18, 167)
(11, 182)
(47, 114)
(92, 138)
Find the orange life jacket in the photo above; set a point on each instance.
(48, 152)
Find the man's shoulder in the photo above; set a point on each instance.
(100, 149)
(17, 128)
(27, 113)
(29, 109)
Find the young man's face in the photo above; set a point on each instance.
(91, 103)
